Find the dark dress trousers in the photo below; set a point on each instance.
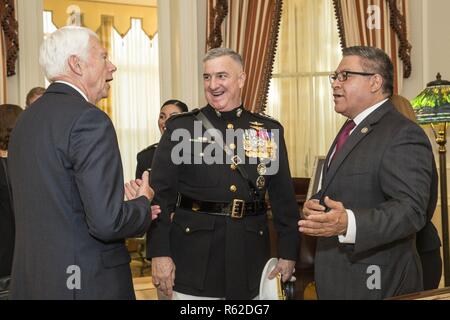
(383, 174)
(219, 256)
(6, 223)
(71, 220)
(145, 159)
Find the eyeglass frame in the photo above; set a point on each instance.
(345, 74)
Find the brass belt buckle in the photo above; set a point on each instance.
(237, 210)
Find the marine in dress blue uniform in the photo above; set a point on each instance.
(217, 243)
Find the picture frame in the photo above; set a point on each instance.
(316, 178)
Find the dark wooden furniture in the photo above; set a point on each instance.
(305, 261)
(437, 294)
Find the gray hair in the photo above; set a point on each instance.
(375, 60)
(60, 45)
(222, 52)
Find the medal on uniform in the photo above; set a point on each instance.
(259, 143)
(260, 182)
(251, 143)
(262, 169)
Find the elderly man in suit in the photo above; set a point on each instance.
(375, 191)
(67, 182)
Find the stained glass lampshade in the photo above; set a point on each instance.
(432, 105)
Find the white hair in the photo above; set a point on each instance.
(60, 45)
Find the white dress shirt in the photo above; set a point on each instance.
(73, 86)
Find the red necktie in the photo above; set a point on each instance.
(343, 136)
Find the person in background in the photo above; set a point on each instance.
(8, 117)
(427, 240)
(375, 188)
(145, 157)
(168, 109)
(67, 182)
(33, 95)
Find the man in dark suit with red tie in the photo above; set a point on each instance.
(375, 190)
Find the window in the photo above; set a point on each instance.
(300, 94)
(135, 93)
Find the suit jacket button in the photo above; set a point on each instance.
(233, 188)
(261, 233)
(230, 126)
(188, 230)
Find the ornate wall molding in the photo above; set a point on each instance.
(89, 14)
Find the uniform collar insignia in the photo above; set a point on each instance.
(235, 113)
(256, 125)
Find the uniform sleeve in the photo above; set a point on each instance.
(98, 172)
(163, 181)
(284, 206)
(144, 161)
(405, 178)
(140, 167)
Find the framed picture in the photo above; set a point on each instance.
(316, 178)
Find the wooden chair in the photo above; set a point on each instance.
(136, 249)
(305, 261)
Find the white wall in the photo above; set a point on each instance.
(430, 39)
(182, 34)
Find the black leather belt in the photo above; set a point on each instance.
(235, 209)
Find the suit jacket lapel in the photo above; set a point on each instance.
(361, 131)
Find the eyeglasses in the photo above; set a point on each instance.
(343, 75)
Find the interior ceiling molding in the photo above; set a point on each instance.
(143, 3)
(89, 13)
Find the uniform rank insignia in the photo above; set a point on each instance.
(256, 125)
(258, 143)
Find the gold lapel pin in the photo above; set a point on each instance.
(364, 130)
